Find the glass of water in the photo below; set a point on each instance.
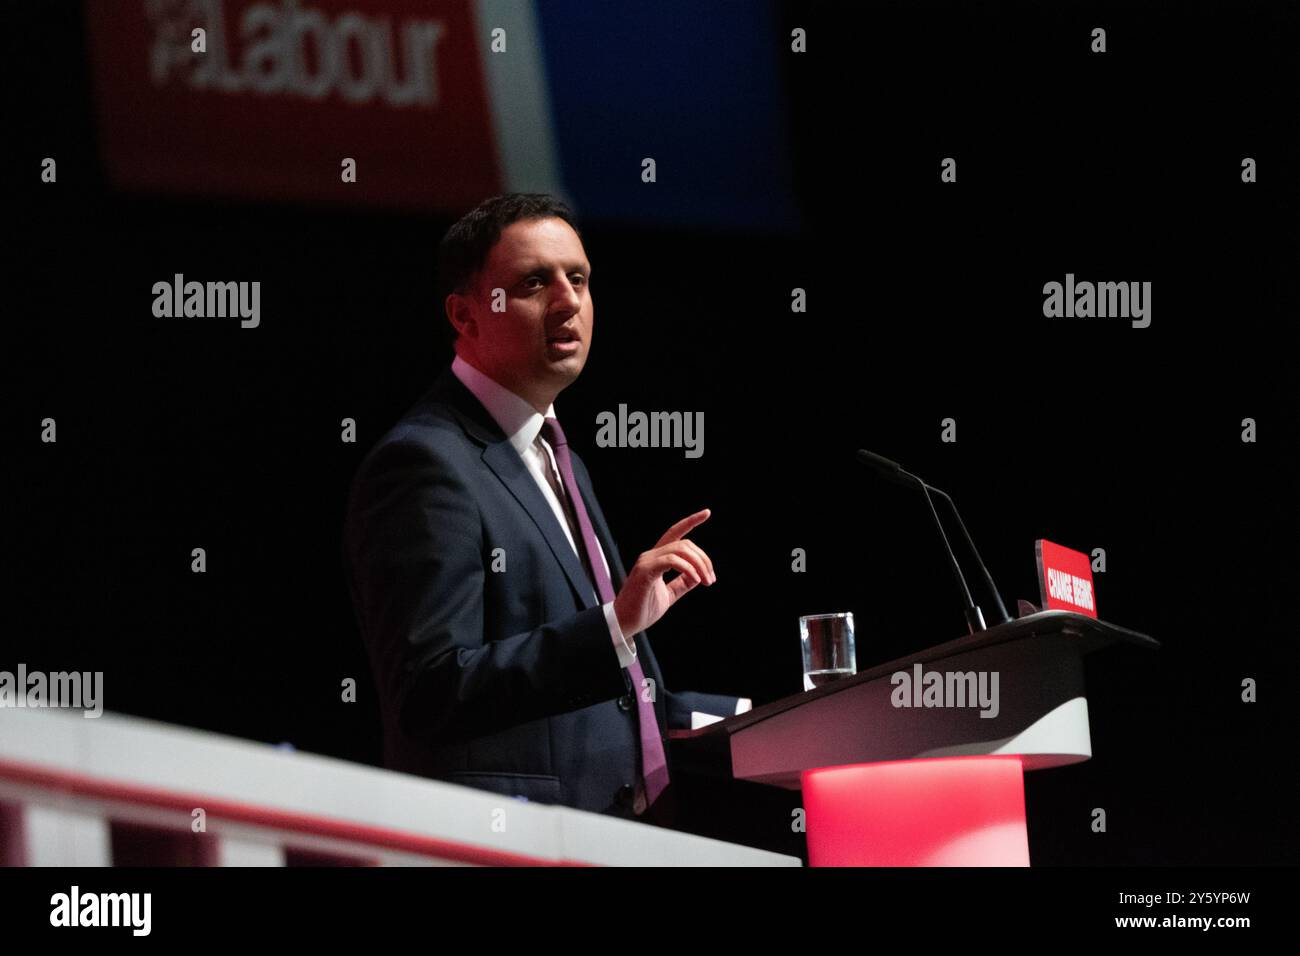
(828, 653)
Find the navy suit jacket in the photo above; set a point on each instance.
(506, 680)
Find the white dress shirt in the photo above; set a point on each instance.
(522, 425)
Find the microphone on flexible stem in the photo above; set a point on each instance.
(974, 617)
(1002, 614)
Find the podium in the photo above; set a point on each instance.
(892, 778)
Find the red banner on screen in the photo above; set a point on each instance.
(1065, 578)
(287, 90)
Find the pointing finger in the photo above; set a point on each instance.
(685, 525)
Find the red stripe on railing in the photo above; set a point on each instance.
(87, 786)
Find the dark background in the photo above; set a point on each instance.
(925, 301)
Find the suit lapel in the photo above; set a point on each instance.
(510, 468)
(500, 456)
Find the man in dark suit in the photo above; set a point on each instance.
(508, 644)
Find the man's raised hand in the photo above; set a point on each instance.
(645, 596)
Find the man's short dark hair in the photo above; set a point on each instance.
(464, 249)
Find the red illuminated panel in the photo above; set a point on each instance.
(940, 811)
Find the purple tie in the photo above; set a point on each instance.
(654, 765)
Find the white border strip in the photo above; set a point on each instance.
(519, 99)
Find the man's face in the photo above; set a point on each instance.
(539, 344)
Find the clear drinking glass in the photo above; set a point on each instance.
(828, 653)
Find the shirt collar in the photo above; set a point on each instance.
(518, 419)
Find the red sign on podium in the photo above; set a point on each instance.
(1065, 577)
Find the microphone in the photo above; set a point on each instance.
(974, 616)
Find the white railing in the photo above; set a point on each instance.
(78, 791)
